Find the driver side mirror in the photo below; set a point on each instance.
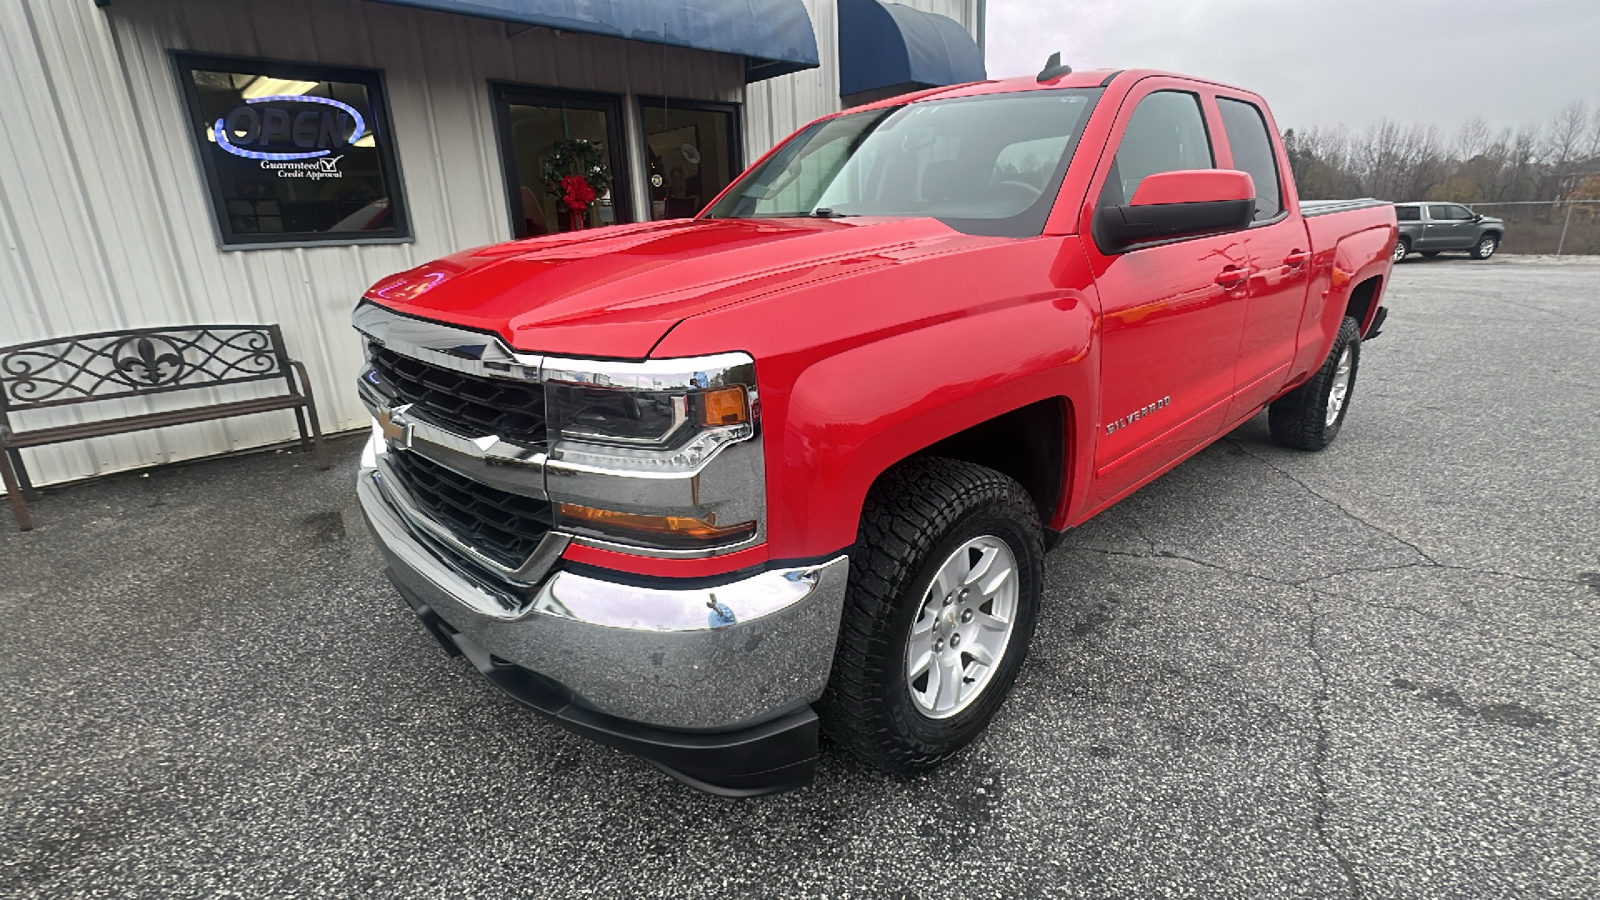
(1179, 204)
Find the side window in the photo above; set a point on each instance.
(1408, 213)
(1166, 133)
(1253, 153)
(1445, 213)
(1461, 212)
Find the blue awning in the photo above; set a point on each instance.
(774, 36)
(888, 45)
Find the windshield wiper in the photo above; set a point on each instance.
(824, 212)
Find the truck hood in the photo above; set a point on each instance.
(615, 292)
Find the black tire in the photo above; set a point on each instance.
(1429, 254)
(1402, 249)
(1299, 419)
(915, 518)
(1486, 246)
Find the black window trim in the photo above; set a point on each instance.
(735, 111)
(184, 63)
(502, 94)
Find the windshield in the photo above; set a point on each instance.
(990, 164)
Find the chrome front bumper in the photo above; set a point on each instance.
(710, 658)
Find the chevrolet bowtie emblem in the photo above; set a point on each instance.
(395, 431)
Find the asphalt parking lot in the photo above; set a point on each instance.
(1369, 672)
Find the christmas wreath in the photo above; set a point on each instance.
(576, 174)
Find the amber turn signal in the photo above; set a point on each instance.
(724, 406)
(696, 530)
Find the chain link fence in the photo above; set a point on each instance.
(1554, 227)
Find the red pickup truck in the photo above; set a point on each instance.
(702, 488)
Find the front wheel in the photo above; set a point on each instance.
(944, 592)
(1485, 247)
(1308, 417)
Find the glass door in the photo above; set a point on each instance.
(566, 167)
(693, 152)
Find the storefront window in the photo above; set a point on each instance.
(564, 166)
(293, 153)
(693, 154)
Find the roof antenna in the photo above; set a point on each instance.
(1053, 68)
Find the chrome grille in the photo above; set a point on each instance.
(502, 526)
(469, 405)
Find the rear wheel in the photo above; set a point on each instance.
(1485, 247)
(1309, 417)
(944, 592)
(1402, 249)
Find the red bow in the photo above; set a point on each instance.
(576, 193)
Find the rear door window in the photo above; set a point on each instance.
(1166, 133)
(1407, 213)
(1253, 153)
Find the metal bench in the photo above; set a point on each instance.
(121, 364)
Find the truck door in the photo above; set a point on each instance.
(1450, 227)
(1279, 258)
(1170, 312)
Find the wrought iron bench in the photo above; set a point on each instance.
(122, 364)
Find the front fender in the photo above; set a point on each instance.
(855, 414)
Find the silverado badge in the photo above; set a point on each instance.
(1136, 415)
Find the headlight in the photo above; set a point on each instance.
(640, 452)
(679, 428)
(661, 416)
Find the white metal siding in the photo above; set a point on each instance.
(105, 221)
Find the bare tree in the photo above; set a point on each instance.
(1396, 161)
(1523, 161)
(1473, 138)
(1567, 134)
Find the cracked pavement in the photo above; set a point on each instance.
(1369, 672)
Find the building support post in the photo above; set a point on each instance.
(983, 32)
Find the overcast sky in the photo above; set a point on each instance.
(1330, 62)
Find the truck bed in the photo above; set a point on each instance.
(1310, 208)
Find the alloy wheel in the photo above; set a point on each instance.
(963, 627)
(1340, 387)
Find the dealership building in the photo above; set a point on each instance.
(190, 162)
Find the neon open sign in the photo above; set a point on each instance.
(313, 132)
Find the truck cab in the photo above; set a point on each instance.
(700, 489)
